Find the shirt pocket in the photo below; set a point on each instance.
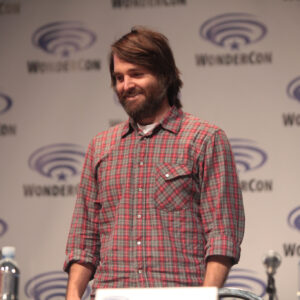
(173, 186)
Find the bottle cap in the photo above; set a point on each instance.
(8, 252)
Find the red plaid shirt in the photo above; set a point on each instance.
(151, 208)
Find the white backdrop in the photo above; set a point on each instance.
(240, 65)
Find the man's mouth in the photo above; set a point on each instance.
(132, 96)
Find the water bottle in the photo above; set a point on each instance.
(9, 274)
(298, 293)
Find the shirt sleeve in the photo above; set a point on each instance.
(221, 204)
(83, 241)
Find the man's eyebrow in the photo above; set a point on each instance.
(135, 69)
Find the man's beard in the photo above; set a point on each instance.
(146, 108)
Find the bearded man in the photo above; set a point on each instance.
(159, 202)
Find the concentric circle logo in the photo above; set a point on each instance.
(59, 161)
(5, 103)
(233, 30)
(63, 38)
(247, 156)
(247, 280)
(294, 218)
(3, 227)
(293, 89)
(49, 285)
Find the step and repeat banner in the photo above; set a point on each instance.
(240, 63)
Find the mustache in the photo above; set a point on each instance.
(131, 93)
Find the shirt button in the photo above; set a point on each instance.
(140, 189)
(139, 216)
(141, 163)
(140, 271)
(139, 243)
(167, 175)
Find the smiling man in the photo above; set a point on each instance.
(140, 93)
(159, 202)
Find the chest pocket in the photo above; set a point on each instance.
(173, 186)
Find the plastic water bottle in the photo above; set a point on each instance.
(9, 274)
(298, 293)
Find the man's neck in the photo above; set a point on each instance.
(163, 111)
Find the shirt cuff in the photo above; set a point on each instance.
(224, 246)
(79, 256)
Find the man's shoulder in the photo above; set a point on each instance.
(110, 136)
(201, 132)
(112, 131)
(191, 122)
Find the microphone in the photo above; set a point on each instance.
(272, 261)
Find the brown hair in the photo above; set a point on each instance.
(151, 50)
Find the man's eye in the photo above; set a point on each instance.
(119, 78)
(137, 74)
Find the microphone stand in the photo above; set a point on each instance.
(271, 289)
(271, 261)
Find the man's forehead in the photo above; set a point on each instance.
(120, 65)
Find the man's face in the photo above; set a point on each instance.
(139, 91)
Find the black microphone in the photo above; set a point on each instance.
(272, 261)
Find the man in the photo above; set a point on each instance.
(159, 203)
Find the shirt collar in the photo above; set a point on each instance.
(172, 122)
(127, 128)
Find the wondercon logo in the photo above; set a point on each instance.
(49, 285)
(294, 218)
(63, 38)
(233, 30)
(5, 103)
(59, 161)
(247, 280)
(247, 156)
(293, 89)
(3, 227)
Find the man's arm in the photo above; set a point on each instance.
(221, 209)
(79, 277)
(217, 269)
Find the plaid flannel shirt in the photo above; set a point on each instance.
(151, 208)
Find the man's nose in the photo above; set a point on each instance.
(128, 83)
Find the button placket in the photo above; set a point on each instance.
(140, 184)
